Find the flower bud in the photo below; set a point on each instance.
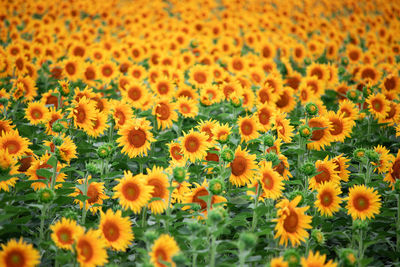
(179, 174)
(45, 195)
(58, 127)
(227, 155)
(247, 241)
(92, 167)
(103, 151)
(217, 186)
(273, 158)
(348, 257)
(57, 140)
(150, 236)
(269, 140)
(353, 95)
(311, 109)
(305, 131)
(359, 154)
(360, 224)
(318, 236)
(372, 155)
(308, 169)
(70, 214)
(179, 259)
(292, 257)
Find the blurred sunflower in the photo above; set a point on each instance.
(116, 230)
(393, 173)
(271, 181)
(316, 260)
(378, 105)
(292, 222)
(187, 107)
(194, 145)
(133, 192)
(282, 126)
(248, 128)
(8, 168)
(83, 113)
(349, 109)
(199, 75)
(164, 87)
(321, 136)
(328, 200)
(159, 181)
(341, 127)
(326, 173)
(19, 254)
(91, 249)
(65, 232)
(162, 251)
(175, 152)
(36, 113)
(264, 115)
(164, 110)
(95, 192)
(341, 163)
(135, 94)
(135, 137)
(122, 113)
(243, 168)
(221, 132)
(363, 202)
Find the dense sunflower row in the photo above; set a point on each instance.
(199, 133)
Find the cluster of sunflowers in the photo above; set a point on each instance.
(202, 133)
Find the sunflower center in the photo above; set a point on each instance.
(396, 169)
(291, 221)
(280, 168)
(130, 191)
(86, 249)
(136, 74)
(120, 116)
(192, 144)
(324, 176)
(176, 152)
(264, 96)
(317, 72)
(134, 93)
(15, 258)
(36, 114)
(163, 111)
(354, 55)
(90, 74)
(163, 88)
(12, 146)
(185, 108)
(158, 188)
(361, 203)
(111, 231)
(65, 236)
(200, 77)
(70, 68)
(390, 83)
(377, 105)
(368, 73)
(337, 126)
(80, 114)
(212, 157)
(107, 71)
(283, 100)
(161, 255)
(316, 134)
(93, 194)
(239, 165)
(326, 199)
(237, 65)
(247, 128)
(137, 138)
(268, 181)
(264, 117)
(52, 100)
(201, 202)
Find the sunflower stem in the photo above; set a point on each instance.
(85, 189)
(42, 218)
(169, 206)
(213, 250)
(144, 211)
(54, 176)
(398, 226)
(194, 260)
(255, 217)
(360, 247)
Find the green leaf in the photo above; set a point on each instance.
(52, 161)
(44, 173)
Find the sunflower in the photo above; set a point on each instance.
(163, 249)
(271, 181)
(91, 249)
(320, 137)
(186, 91)
(248, 128)
(354, 53)
(90, 73)
(221, 132)
(385, 159)
(305, 94)
(326, 173)
(108, 70)
(393, 115)
(175, 152)
(137, 72)
(316, 260)
(349, 109)
(95, 192)
(201, 191)
(341, 127)
(116, 230)
(368, 73)
(207, 127)
(36, 113)
(199, 75)
(24, 87)
(286, 101)
(159, 181)
(133, 192)
(164, 110)
(83, 112)
(391, 83)
(163, 87)
(318, 70)
(282, 126)
(188, 108)
(378, 105)
(210, 94)
(264, 115)
(136, 137)
(292, 222)
(65, 232)
(14, 143)
(393, 173)
(278, 262)
(328, 200)
(102, 104)
(266, 95)
(8, 168)
(72, 68)
(231, 87)
(341, 163)
(18, 253)
(274, 80)
(180, 191)
(122, 113)
(194, 145)
(50, 98)
(135, 94)
(243, 168)
(99, 125)
(6, 126)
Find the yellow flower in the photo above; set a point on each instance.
(18, 253)
(65, 232)
(363, 202)
(163, 249)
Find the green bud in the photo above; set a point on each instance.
(150, 236)
(360, 224)
(311, 109)
(179, 259)
(292, 257)
(269, 140)
(215, 216)
(217, 186)
(227, 155)
(307, 61)
(305, 131)
(359, 154)
(103, 151)
(3, 101)
(92, 167)
(308, 169)
(353, 95)
(271, 156)
(57, 140)
(45, 195)
(318, 236)
(194, 227)
(179, 174)
(58, 127)
(344, 61)
(247, 241)
(372, 155)
(348, 257)
(70, 214)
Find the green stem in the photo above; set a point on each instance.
(42, 218)
(169, 207)
(213, 250)
(194, 260)
(255, 217)
(398, 226)
(369, 125)
(54, 177)
(85, 189)
(144, 211)
(242, 258)
(360, 247)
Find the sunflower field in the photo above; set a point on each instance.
(199, 133)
